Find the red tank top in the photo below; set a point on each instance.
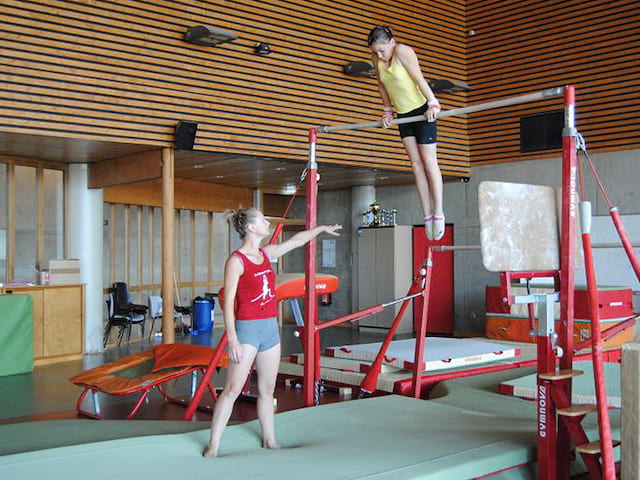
(256, 293)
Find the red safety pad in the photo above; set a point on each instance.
(177, 355)
(614, 303)
(292, 285)
(106, 378)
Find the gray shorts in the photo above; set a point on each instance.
(262, 334)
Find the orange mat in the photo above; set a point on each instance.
(143, 371)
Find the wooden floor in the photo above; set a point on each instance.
(46, 393)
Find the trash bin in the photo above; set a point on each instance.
(202, 315)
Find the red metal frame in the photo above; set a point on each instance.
(558, 467)
(609, 332)
(145, 390)
(608, 462)
(206, 379)
(421, 333)
(419, 285)
(310, 332)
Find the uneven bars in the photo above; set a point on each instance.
(548, 93)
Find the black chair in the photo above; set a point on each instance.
(123, 302)
(123, 313)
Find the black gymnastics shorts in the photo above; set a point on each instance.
(425, 132)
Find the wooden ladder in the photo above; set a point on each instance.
(572, 415)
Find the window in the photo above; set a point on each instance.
(31, 219)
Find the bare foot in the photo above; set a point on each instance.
(271, 445)
(210, 451)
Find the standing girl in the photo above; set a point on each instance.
(404, 90)
(250, 316)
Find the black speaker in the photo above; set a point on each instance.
(541, 131)
(185, 135)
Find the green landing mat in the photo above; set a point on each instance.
(32, 436)
(583, 389)
(388, 437)
(468, 430)
(16, 334)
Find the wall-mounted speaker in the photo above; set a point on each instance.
(541, 131)
(185, 135)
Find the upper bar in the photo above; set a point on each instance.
(548, 93)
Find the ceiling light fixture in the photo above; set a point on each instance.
(208, 36)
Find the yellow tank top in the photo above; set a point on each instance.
(404, 93)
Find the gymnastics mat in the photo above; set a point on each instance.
(582, 386)
(389, 437)
(386, 380)
(345, 364)
(439, 353)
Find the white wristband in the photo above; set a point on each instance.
(433, 103)
(387, 108)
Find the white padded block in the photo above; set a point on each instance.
(518, 227)
(630, 461)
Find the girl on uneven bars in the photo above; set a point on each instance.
(250, 317)
(404, 90)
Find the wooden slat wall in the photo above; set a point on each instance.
(119, 70)
(529, 45)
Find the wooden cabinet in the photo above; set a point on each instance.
(58, 321)
(385, 273)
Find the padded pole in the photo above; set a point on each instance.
(604, 427)
(626, 242)
(549, 93)
(312, 360)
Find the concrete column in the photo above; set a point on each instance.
(84, 234)
(361, 198)
(257, 199)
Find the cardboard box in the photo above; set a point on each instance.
(63, 272)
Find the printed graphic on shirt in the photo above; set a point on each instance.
(267, 295)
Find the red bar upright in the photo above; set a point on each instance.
(567, 261)
(311, 357)
(418, 359)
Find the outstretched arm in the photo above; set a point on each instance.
(300, 239)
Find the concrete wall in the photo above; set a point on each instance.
(334, 206)
(618, 171)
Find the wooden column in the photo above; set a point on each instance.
(168, 334)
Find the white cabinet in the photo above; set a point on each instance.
(385, 273)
